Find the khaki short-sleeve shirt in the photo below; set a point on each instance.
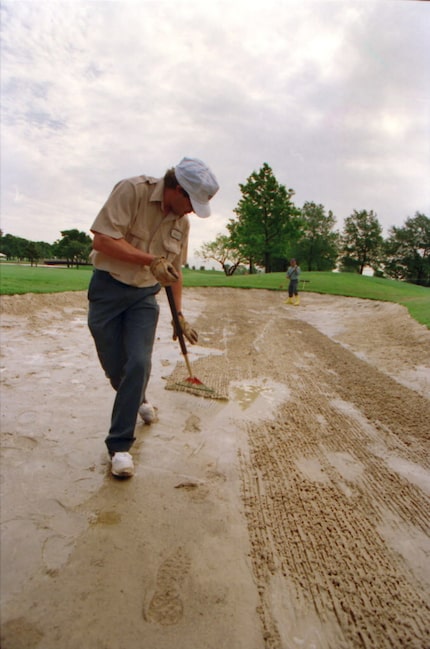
(134, 212)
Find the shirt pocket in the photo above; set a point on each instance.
(172, 242)
(138, 238)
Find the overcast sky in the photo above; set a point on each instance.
(333, 95)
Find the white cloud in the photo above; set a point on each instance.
(333, 95)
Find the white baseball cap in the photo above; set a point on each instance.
(199, 182)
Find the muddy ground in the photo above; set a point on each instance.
(295, 515)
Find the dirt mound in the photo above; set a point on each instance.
(31, 303)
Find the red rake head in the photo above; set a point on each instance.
(193, 380)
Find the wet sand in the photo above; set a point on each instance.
(293, 515)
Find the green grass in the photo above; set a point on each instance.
(415, 298)
(18, 279)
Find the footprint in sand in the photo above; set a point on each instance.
(166, 606)
(193, 424)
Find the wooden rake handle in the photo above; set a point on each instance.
(178, 327)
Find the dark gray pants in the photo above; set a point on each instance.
(122, 320)
(293, 287)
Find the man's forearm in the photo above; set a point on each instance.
(121, 249)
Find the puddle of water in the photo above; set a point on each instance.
(260, 397)
(247, 400)
(105, 518)
(246, 395)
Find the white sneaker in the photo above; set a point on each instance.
(147, 412)
(122, 465)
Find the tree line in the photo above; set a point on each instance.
(269, 229)
(72, 249)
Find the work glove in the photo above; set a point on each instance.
(164, 272)
(190, 334)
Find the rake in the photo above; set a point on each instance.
(191, 383)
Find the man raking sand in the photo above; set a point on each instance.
(140, 244)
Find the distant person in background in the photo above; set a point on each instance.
(293, 273)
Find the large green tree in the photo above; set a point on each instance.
(74, 247)
(407, 250)
(266, 222)
(361, 242)
(33, 252)
(317, 247)
(13, 247)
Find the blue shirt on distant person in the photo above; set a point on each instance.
(293, 273)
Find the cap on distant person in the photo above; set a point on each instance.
(199, 182)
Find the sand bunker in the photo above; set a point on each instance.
(294, 515)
